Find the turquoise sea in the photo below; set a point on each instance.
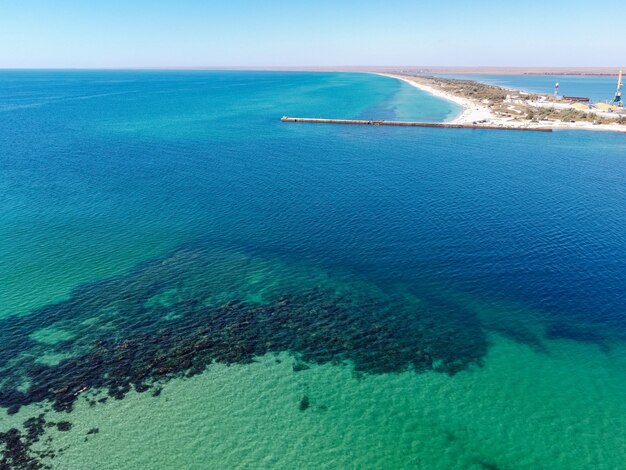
(187, 282)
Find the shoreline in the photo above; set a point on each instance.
(475, 113)
(471, 113)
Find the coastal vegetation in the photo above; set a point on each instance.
(515, 105)
(537, 114)
(472, 89)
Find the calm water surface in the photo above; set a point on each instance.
(598, 88)
(185, 281)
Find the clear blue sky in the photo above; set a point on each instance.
(140, 33)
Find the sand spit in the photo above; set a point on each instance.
(477, 113)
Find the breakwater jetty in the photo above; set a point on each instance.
(413, 124)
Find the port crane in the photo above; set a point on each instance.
(617, 100)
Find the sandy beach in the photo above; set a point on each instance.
(477, 113)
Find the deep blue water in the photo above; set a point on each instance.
(101, 170)
(597, 88)
(155, 223)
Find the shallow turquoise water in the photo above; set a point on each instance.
(135, 163)
(252, 293)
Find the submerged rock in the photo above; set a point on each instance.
(64, 426)
(304, 403)
(300, 366)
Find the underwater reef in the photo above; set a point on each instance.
(175, 316)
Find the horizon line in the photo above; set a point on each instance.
(604, 71)
(316, 67)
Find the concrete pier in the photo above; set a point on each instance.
(413, 124)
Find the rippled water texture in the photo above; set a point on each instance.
(188, 282)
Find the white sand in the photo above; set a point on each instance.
(477, 113)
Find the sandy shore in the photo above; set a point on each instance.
(472, 112)
(477, 113)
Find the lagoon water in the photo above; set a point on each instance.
(599, 89)
(187, 282)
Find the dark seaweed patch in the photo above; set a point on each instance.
(488, 465)
(586, 334)
(16, 446)
(299, 366)
(64, 426)
(304, 403)
(161, 321)
(123, 340)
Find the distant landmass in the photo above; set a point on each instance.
(478, 70)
